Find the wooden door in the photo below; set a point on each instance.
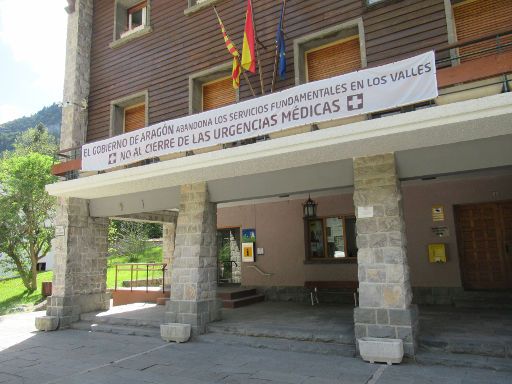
(482, 230)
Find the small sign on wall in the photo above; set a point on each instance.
(437, 213)
(248, 252)
(364, 212)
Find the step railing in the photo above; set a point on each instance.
(144, 269)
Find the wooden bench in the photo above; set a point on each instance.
(315, 286)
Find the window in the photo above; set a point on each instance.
(333, 59)
(211, 88)
(331, 238)
(129, 114)
(134, 118)
(197, 5)
(330, 52)
(136, 18)
(41, 267)
(218, 93)
(477, 18)
(131, 20)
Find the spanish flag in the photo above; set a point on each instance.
(248, 55)
(233, 51)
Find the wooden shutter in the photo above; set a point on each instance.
(477, 18)
(334, 59)
(134, 118)
(218, 94)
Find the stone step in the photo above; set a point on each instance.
(147, 331)
(92, 318)
(476, 345)
(462, 360)
(234, 294)
(124, 330)
(280, 332)
(242, 302)
(279, 344)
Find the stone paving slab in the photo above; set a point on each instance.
(78, 357)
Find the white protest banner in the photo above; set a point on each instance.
(369, 90)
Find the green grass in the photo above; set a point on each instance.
(13, 293)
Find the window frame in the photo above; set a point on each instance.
(323, 38)
(123, 9)
(326, 259)
(207, 76)
(118, 107)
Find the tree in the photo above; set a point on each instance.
(26, 211)
(36, 139)
(129, 239)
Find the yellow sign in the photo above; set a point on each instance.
(248, 252)
(437, 253)
(437, 213)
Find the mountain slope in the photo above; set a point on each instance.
(50, 116)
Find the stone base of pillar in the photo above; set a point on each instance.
(69, 308)
(388, 323)
(196, 313)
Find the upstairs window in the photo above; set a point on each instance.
(330, 52)
(134, 117)
(218, 93)
(478, 18)
(136, 18)
(129, 113)
(211, 88)
(333, 59)
(131, 21)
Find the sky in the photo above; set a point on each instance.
(32, 55)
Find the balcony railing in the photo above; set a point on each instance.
(470, 60)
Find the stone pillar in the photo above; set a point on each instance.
(80, 269)
(194, 268)
(385, 292)
(76, 76)
(168, 239)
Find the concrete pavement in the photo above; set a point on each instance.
(72, 356)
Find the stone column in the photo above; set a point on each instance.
(168, 239)
(80, 269)
(385, 293)
(194, 269)
(76, 76)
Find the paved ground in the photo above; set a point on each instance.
(83, 357)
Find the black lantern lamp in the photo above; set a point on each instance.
(309, 207)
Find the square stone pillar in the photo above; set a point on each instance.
(385, 292)
(194, 268)
(80, 267)
(77, 73)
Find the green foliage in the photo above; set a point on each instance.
(129, 239)
(25, 212)
(49, 116)
(36, 139)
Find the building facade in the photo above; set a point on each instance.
(413, 203)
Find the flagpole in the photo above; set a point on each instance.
(238, 60)
(274, 75)
(257, 51)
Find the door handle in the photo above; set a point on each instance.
(507, 248)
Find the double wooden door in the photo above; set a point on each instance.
(484, 233)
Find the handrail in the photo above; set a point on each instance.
(141, 267)
(260, 271)
(473, 40)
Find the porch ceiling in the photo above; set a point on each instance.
(469, 135)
